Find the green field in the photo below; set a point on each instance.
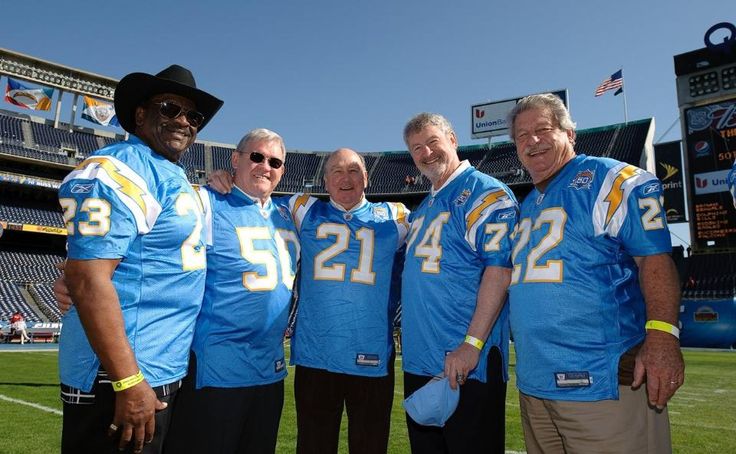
(703, 413)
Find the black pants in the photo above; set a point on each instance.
(320, 397)
(225, 420)
(478, 424)
(85, 422)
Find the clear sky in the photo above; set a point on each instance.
(332, 73)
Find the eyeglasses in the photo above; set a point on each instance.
(172, 110)
(258, 158)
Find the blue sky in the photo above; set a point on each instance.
(327, 74)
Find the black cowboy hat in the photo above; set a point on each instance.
(136, 88)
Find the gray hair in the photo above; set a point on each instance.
(424, 119)
(360, 156)
(542, 101)
(258, 135)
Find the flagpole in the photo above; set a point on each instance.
(626, 109)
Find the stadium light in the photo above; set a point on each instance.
(14, 64)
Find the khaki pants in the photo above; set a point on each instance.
(627, 425)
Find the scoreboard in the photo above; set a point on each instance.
(710, 141)
(706, 95)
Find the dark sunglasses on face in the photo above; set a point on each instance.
(172, 110)
(258, 158)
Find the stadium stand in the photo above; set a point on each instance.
(36, 152)
(10, 127)
(221, 158)
(501, 162)
(28, 267)
(11, 301)
(710, 276)
(193, 162)
(15, 211)
(301, 169)
(34, 272)
(390, 172)
(64, 140)
(45, 300)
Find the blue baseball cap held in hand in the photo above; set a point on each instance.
(433, 403)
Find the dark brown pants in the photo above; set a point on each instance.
(320, 398)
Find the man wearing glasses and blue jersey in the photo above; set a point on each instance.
(135, 269)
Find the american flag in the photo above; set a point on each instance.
(616, 81)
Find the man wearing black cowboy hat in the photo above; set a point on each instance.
(135, 269)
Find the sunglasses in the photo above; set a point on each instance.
(172, 110)
(258, 158)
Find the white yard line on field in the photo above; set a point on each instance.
(31, 404)
(703, 426)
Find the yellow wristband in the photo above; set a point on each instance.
(474, 341)
(663, 326)
(127, 382)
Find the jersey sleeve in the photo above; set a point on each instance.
(400, 214)
(106, 205)
(204, 196)
(488, 224)
(629, 209)
(299, 205)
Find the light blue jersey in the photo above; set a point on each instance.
(127, 202)
(575, 301)
(344, 321)
(455, 234)
(731, 179)
(252, 253)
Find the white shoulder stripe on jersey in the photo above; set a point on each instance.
(299, 205)
(204, 197)
(130, 188)
(400, 216)
(611, 208)
(481, 209)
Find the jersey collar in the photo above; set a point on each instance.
(563, 173)
(236, 191)
(460, 169)
(360, 205)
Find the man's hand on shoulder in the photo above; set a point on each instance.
(220, 181)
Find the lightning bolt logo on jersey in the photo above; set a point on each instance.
(455, 233)
(575, 301)
(127, 202)
(345, 311)
(252, 253)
